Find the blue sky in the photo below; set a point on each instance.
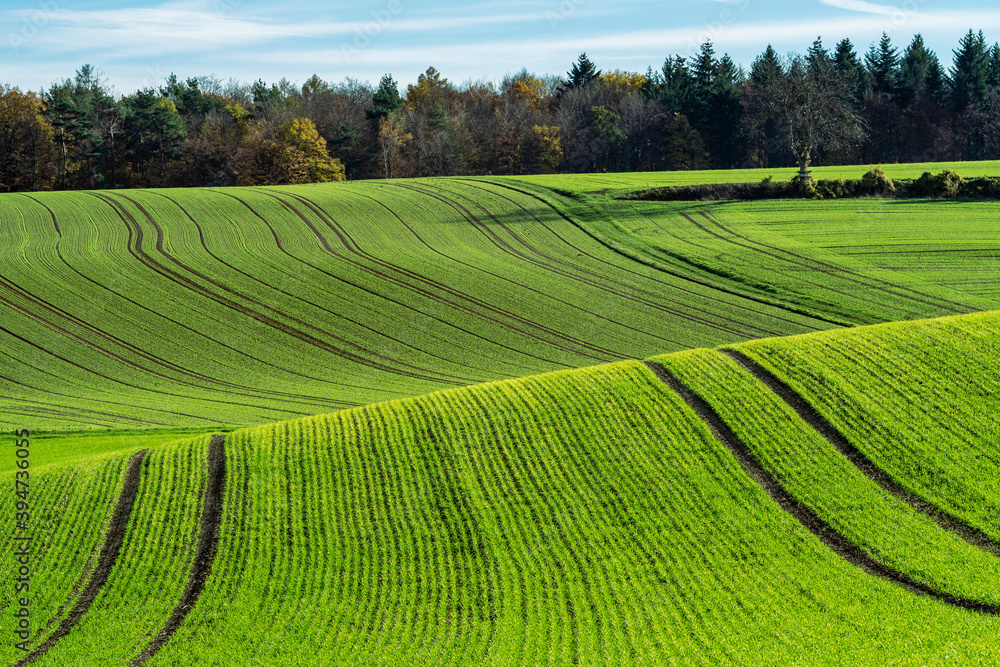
(136, 43)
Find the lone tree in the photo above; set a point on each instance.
(810, 107)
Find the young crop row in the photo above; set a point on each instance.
(814, 472)
(153, 565)
(801, 253)
(918, 399)
(70, 510)
(583, 516)
(166, 308)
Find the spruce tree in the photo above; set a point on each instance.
(994, 79)
(583, 72)
(386, 99)
(818, 57)
(883, 67)
(849, 66)
(913, 70)
(971, 71)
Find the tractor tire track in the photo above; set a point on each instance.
(135, 248)
(671, 286)
(549, 264)
(798, 510)
(351, 247)
(208, 543)
(840, 272)
(340, 315)
(650, 299)
(34, 313)
(653, 264)
(385, 361)
(327, 248)
(477, 302)
(105, 562)
(106, 377)
(951, 523)
(186, 327)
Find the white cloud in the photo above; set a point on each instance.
(206, 26)
(861, 6)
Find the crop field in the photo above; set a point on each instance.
(503, 421)
(857, 261)
(680, 511)
(201, 308)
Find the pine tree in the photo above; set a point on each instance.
(704, 67)
(913, 70)
(766, 67)
(936, 81)
(883, 67)
(386, 99)
(817, 57)
(849, 66)
(971, 71)
(994, 79)
(583, 72)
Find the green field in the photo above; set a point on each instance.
(580, 516)
(503, 421)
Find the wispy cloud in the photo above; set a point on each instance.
(861, 6)
(193, 26)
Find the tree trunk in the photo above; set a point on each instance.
(804, 159)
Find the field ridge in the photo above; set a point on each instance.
(208, 544)
(105, 562)
(799, 510)
(808, 413)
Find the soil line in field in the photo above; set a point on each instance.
(105, 561)
(808, 414)
(807, 517)
(208, 542)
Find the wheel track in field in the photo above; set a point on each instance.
(101, 375)
(532, 325)
(340, 315)
(135, 248)
(564, 269)
(798, 510)
(839, 271)
(76, 411)
(948, 522)
(327, 248)
(476, 306)
(40, 306)
(479, 269)
(383, 362)
(597, 280)
(105, 561)
(208, 544)
(803, 264)
(201, 377)
(687, 277)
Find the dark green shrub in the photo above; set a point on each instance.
(876, 183)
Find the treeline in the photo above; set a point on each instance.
(830, 106)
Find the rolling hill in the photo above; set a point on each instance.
(765, 502)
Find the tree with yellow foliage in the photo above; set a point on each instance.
(546, 149)
(302, 135)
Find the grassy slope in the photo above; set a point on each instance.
(855, 261)
(921, 402)
(195, 308)
(583, 515)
